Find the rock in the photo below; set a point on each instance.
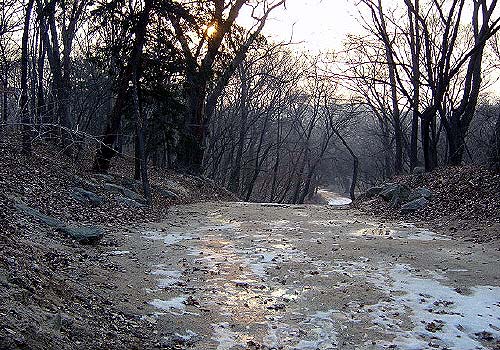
(420, 192)
(61, 320)
(104, 177)
(85, 196)
(133, 195)
(132, 185)
(125, 192)
(84, 235)
(129, 202)
(414, 205)
(176, 188)
(395, 193)
(57, 322)
(113, 188)
(373, 191)
(85, 184)
(418, 170)
(167, 194)
(47, 220)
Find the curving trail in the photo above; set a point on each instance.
(264, 276)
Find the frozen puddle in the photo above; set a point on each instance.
(227, 338)
(339, 201)
(175, 306)
(260, 285)
(173, 238)
(119, 252)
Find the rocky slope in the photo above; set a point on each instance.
(462, 200)
(46, 301)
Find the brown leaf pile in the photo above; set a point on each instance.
(46, 301)
(465, 199)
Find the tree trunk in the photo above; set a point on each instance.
(426, 143)
(137, 154)
(415, 56)
(456, 144)
(461, 117)
(139, 129)
(300, 176)
(106, 152)
(5, 114)
(276, 161)
(192, 144)
(62, 96)
(494, 151)
(234, 178)
(40, 109)
(25, 117)
(425, 128)
(396, 115)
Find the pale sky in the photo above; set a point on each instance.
(319, 24)
(322, 25)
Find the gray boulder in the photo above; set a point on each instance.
(103, 177)
(129, 202)
(87, 197)
(125, 192)
(420, 192)
(176, 188)
(419, 170)
(133, 195)
(86, 184)
(414, 205)
(47, 220)
(395, 193)
(373, 191)
(84, 235)
(113, 188)
(167, 194)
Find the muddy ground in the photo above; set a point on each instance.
(265, 276)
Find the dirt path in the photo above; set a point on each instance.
(256, 276)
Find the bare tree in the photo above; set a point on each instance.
(200, 63)
(25, 114)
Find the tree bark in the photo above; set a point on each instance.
(25, 116)
(234, 178)
(106, 152)
(62, 96)
(396, 115)
(494, 151)
(426, 138)
(415, 56)
(139, 129)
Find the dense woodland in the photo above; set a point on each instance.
(185, 85)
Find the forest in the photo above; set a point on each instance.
(183, 85)
(249, 174)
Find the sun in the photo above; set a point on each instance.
(211, 30)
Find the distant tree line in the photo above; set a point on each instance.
(182, 84)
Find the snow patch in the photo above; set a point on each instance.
(226, 337)
(168, 278)
(169, 238)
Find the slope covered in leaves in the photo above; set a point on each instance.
(465, 199)
(48, 299)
